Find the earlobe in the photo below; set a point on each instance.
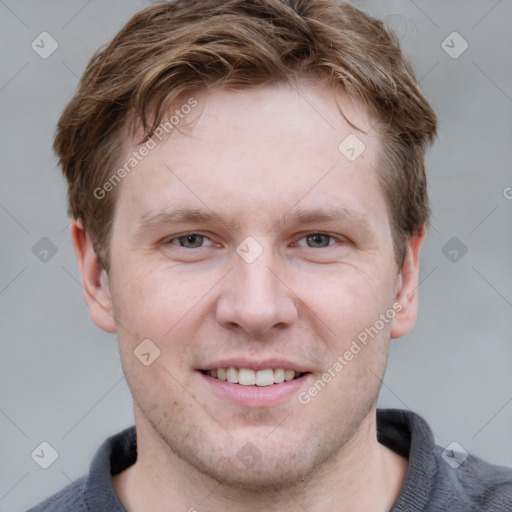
(94, 279)
(406, 298)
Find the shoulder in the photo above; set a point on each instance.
(94, 492)
(441, 478)
(483, 486)
(69, 499)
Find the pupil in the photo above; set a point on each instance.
(318, 240)
(192, 240)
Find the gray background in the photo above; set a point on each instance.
(61, 380)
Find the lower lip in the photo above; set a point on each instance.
(256, 396)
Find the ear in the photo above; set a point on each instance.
(406, 297)
(94, 279)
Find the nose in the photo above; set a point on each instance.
(255, 299)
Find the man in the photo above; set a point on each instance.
(248, 190)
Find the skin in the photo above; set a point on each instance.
(256, 158)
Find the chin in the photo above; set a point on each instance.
(258, 461)
(269, 474)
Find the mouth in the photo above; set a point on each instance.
(249, 377)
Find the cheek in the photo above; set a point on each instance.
(152, 299)
(166, 306)
(348, 299)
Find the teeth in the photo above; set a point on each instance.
(279, 375)
(265, 378)
(289, 375)
(248, 377)
(232, 375)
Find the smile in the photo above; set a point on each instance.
(249, 377)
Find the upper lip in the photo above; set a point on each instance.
(241, 362)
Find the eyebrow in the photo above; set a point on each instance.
(156, 219)
(320, 215)
(151, 220)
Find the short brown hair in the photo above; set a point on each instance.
(170, 48)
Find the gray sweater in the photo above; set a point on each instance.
(435, 481)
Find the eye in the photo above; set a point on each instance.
(189, 241)
(317, 240)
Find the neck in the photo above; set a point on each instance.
(364, 475)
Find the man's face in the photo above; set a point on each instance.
(250, 241)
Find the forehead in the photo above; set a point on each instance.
(256, 150)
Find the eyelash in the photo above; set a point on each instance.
(312, 233)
